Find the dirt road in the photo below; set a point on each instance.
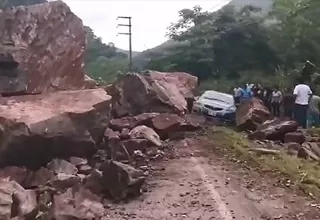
(198, 185)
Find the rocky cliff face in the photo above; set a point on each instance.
(48, 41)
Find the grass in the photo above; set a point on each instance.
(303, 174)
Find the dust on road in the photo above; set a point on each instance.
(196, 185)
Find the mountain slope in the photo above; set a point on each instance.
(163, 49)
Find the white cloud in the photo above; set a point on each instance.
(150, 19)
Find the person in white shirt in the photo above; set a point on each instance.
(276, 101)
(303, 94)
(237, 94)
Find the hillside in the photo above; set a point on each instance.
(142, 59)
(264, 5)
(134, 53)
(233, 46)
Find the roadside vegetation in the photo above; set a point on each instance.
(299, 174)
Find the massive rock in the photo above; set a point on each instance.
(48, 41)
(133, 145)
(121, 180)
(274, 130)
(77, 204)
(16, 201)
(37, 128)
(144, 132)
(309, 151)
(118, 124)
(152, 92)
(167, 123)
(17, 174)
(89, 83)
(62, 166)
(252, 113)
(12, 80)
(297, 137)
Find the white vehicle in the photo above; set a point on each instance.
(216, 104)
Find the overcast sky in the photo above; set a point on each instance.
(150, 18)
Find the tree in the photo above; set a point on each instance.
(12, 3)
(103, 61)
(297, 32)
(220, 44)
(96, 48)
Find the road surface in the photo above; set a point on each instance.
(199, 185)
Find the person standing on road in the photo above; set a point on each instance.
(237, 95)
(303, 94)
(276, 101)
(314, 110)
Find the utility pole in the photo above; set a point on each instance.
(130, 37)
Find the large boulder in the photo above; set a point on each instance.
(61, 166)
(274, 130)
(251, 113)
(309, 151)
(17, 174)
(144, 132)
(16, 201)
(167, 124)
(37, 128)
(129, 122)
(297, 137)
(13, 81)
(48, 41)
(133, 145)
(121, 180)
(153, 92)
(77, 204)
(89, 83)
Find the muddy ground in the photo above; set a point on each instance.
(201, 183)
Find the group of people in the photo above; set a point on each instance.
(272, 98)
(297, 105)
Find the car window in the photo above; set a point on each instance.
(218, 97)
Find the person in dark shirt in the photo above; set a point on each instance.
(288, 105)
(255, 90)
(267, 96)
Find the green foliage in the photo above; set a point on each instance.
(103, 62)
(106, 69)
(11, 3)
(219, 44)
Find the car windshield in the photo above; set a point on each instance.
(221, 97)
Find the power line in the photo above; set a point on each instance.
(130, 37)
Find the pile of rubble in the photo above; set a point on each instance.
(62, 154)
(273, 135)
(65, 145)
